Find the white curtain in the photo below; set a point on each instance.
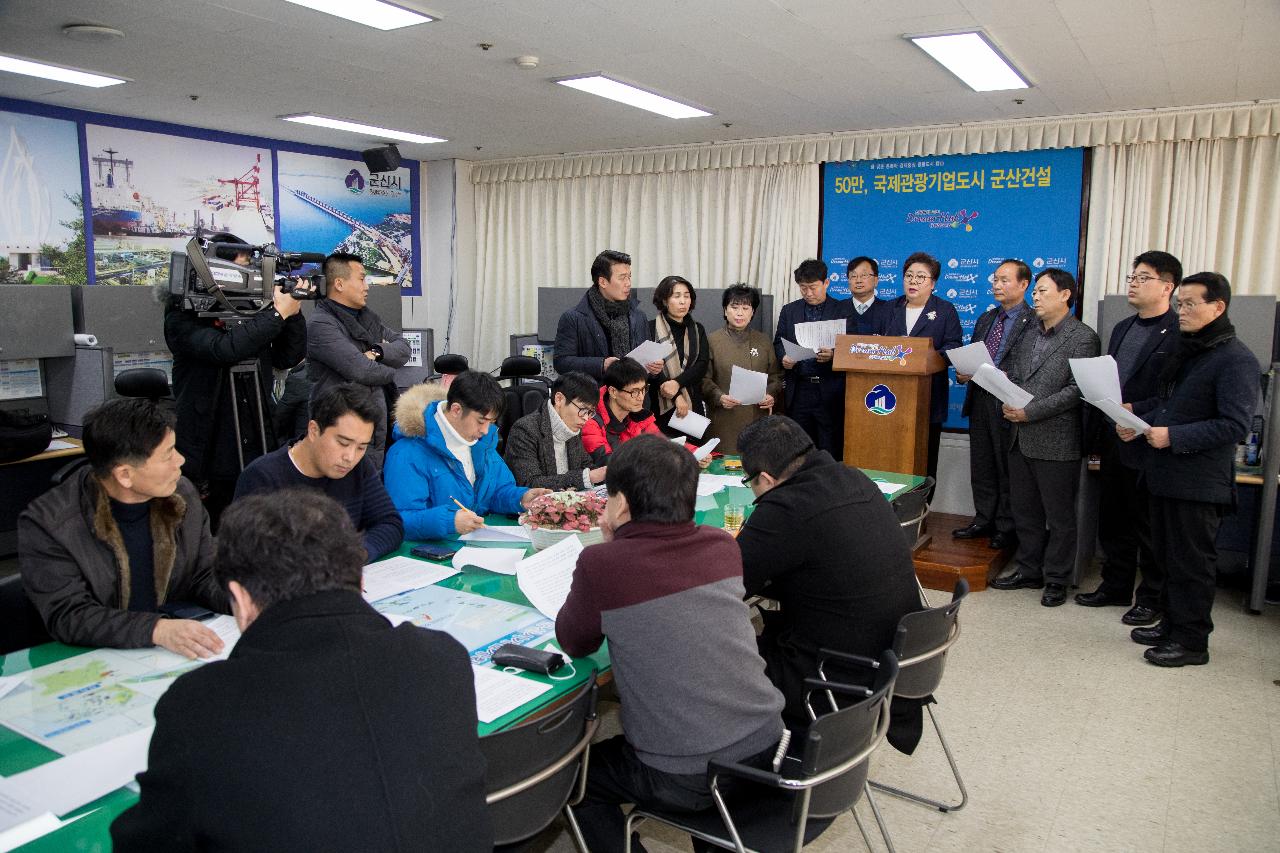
(712, 226)
(1214, 203)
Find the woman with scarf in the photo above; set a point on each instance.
(737, 344)
(677, 389)
(1206, 396)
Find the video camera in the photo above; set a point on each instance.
(227, 278)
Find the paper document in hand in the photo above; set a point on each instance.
(651, 351)
(795, 352)
(545, 577)
(1098, 378)
(968, 359)
(401, 574)
(692, 424)
(227, 630)
(705, 450)
(495, 533)
(1121, 415)
(999, 384)
(499, 693)
(820, 334)
(747, 386)
(500, 560)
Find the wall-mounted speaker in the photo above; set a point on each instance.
(384, 159)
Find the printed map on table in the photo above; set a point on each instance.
(481, 624)
(91, 698)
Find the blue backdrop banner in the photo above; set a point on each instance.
(969, 211)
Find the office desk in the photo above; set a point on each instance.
(17, 753)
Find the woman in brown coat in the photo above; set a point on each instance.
(737, 344)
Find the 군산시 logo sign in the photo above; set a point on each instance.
(354, 182)
(881, 401)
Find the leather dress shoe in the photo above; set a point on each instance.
(1100, 598)
(1151, 636)
(1054, 595)
(1140, 615)
(1017, 580)
(972, 530)
(1170, 653)
(1002, 540)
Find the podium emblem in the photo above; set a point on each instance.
(881, 401)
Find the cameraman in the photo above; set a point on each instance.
(204, 349)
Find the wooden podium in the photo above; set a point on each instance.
(886, 401)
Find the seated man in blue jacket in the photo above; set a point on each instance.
(444, 472)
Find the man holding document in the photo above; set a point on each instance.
(668, 595)
(326, 728)
(814, 392)
(1140, 346)
(1045, 445)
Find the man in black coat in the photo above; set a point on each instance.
(814, 392)
(1141, 345)
(999, 328)
(605, 325)
(1205, 400)
(824, 543)
(327, 728)
(204, 351)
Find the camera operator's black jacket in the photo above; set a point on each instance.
(202, 350)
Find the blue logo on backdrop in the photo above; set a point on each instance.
(881, 401)
(887, 209)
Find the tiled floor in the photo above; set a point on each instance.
(1069, 741)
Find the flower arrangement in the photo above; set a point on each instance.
(570, 511)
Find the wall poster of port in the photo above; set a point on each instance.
(41, 222)
(150, 192)
(329, 204)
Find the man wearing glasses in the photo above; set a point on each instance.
(814, 393)
(825, 544)
(621, 414)
(1141, 345)
(544, 448)
(1205, 398)
(868, 308)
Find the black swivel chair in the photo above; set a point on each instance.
(20, 624)
(787, 808)
(921, 644)
(538, 769)
(526, 390)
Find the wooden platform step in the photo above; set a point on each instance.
(943, 559)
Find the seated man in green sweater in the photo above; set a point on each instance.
(657, 588)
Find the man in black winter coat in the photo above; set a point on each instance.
(326, 728)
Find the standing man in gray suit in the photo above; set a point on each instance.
(999, 328)
(347, 342)
(1045, 447)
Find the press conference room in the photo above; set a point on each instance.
(965, 312)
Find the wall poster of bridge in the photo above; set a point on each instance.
(329, 204)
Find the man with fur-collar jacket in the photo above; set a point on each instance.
(105, 555)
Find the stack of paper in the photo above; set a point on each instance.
(1099, 382)
(509, 534)
(401, 574)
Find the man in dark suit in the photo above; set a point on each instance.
(919, 313)
(814, 392)
(327, 728)
(999, 328)
(868, 309)
(1141, 345)
(606, 324)
(1206, 394)
(1045, 448)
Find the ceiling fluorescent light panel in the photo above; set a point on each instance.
(371, 13)
(366, 129)
(973, 59)
(32, 68)
(615, 90)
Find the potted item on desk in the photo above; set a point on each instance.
(554, 516)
